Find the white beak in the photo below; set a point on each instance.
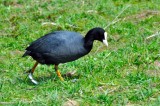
(105, 42)
(105, 39)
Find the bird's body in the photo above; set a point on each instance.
(58, 47)
(62, 46)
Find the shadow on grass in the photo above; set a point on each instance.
(45, 78)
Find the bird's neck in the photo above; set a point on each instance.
(88, 42)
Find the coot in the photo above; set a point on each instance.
(61, 47)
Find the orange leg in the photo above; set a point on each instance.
(58, 73)
(31, 73)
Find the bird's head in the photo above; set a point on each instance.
(99, 34)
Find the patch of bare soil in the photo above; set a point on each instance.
(71, 103)
(156, 72)
(143, 14)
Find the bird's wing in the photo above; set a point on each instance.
(45, 44)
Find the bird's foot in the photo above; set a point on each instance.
(59, 75)
(61, 78)
(31, 78)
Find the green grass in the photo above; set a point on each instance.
(126, 73)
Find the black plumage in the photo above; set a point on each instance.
(57, 47)
(63, 46)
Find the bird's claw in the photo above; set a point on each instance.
(61, 78)
(31, 78)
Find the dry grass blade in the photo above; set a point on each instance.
(153, 35)
(116, 18)
(49, 23)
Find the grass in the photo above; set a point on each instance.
(126, 73)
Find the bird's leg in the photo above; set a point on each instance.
(31, 73)
(58, 73)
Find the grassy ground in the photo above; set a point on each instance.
(126, 73)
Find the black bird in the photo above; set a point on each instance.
(62, 46)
